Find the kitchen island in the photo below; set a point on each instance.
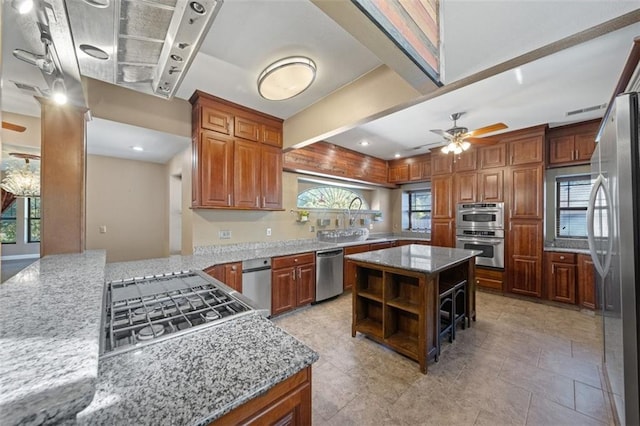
(396, 296)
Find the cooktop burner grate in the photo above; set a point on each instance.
(141, 310)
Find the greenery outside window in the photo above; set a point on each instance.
(419, 204)
(33, 220)
(8, 224)
(572, 198)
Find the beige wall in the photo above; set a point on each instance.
(130, 199)
(251, 226)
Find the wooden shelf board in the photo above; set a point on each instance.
(405, 305)
(369, 326)
(370, 296)
(404, 343)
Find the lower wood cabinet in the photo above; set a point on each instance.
(287, 403)
(560, 276)
(349, 268)
(229, 273)
(524, 257)
(586, 282)
(293, 282)
(443, 232)
(491, 279)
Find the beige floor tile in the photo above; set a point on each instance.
(583, 371)
(332, 390)
(365, 411)
(591, 401)
(544, 413)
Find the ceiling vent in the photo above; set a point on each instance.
(588, 109)
(142, 45)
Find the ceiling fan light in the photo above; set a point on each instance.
(445, 149)
(59, 92)
(465, 145)
(286, 78)
(458, 150)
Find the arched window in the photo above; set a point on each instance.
(329, 197)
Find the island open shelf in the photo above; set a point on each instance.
(398, 306)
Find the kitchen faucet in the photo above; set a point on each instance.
(349, 209)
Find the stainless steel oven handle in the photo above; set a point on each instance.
(481, 240)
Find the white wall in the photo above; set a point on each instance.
(130, 199)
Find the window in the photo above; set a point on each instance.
(33, 220)
(572, 197)
(419, 209)
(8, 224)
(330, 197)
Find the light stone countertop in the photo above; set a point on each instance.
(196, 378)
(49, 338)
(417, 258)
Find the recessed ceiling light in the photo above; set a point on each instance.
(364, 143)
(286, 78)
(198, 8)
(137, 148)
(94, 52)
(397, 155)
(59, 92)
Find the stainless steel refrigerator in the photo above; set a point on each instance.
(613, 218)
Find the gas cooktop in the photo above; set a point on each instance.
(145, 310)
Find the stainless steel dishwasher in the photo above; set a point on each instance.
(256, 282)
(329, 273)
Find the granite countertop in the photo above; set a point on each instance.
(416, 257)
(196, 378)
(568, 245)
(49, 332)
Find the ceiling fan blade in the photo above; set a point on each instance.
(486, 129)
(482, 141)
(443, 133)
(14, 127)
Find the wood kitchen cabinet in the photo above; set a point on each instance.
(228, 273)
(466, 187)
(349, 269)
(526, 150)
(573, 144)
(586, 282)
(293, 282)
(489, 278)
(442, 197)
(237, 156)
(466, 161)
(287, 403)
(560, 276)
(411, 169)
(492, 156)
(491, 185)
(526, 192)
(398, 173)
(441, 164)
(524, 260)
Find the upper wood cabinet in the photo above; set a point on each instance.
(410, 169)
(467, 161)
(466, 187)
(492, 156)
(441, 164)
(491, 185)
(237, 159)
(573, 144)
(442, 197)
(398, 173)
(527, 192)
(526, 150)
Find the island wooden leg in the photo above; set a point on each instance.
(471, 290)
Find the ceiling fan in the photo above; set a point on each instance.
(14, 127)
(460, 138)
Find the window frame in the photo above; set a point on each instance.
(13, 218)
(410, 195)
(558, 209)
(32, 218)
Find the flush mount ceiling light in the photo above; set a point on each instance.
(456, 146)
(22, 181)
(286, 78)
(22, 6)
(137, 148)
(364, 143)
(59, 92)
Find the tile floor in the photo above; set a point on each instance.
(521, 363)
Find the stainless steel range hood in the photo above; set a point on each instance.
(144, 45)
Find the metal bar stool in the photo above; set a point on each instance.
(446, 315)
(460, 310)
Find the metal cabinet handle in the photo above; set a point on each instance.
(561, 257)
(233, 268)
(264, 201)
(293, 274)
(229, 199)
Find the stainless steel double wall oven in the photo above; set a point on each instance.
(480, 226)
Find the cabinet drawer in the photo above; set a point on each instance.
(561, 257)
(293, 260)
(357, 249)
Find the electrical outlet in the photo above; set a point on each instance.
(268, 232)
(103, 229)
(371, 226)
(224, 234)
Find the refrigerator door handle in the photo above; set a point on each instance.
(602, 269)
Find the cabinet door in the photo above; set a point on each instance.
(216, 272)
(466, 161)
(305, 284)
(525, 258)
(415, 171)
(246, 129)
(349, 268)
(441, 164)
(442, 233)
(586, 282)
(426, 167)
(271, 135)
(585, 144)
(399, 173)
(283, 290)
(466, 187)
(491, 185)
(246, 182)
(380, 246)
(561, 278)
(561, 150)
(442, 193)
(526, 150)
(233, 275)
(271, 177)
(493, 156)
(214, 172)
(216, 120)
(526, 192)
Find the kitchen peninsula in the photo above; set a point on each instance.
(395, 297)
